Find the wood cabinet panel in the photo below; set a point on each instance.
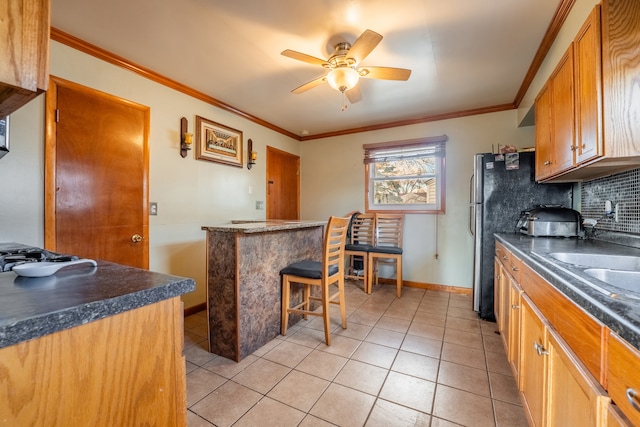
(24, 42)
(543, 133)
(581, 331)
(569, 379)
(563, 114)
(621, 76)
(126, 369)
(624, 380)
(513, 349)
(588, 89)
(533, 378)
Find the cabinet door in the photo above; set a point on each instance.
(624, 381)
(568, 378)
(562, 113)
(513, 353)
(588, 89)
(533, 378)
(543, 133)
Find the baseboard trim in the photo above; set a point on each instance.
(428, 286)
(195, 309)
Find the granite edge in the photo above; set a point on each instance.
(261, 227)
(49, 323)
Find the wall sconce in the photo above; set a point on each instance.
(251, 155)
(186, 138)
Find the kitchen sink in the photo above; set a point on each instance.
(600, 261)
(627, 280)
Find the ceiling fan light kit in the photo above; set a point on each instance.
(344, 72)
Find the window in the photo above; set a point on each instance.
(406, 176)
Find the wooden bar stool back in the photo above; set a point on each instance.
(362, 240)
(388, 247)
(323, 273)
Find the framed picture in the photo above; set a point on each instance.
(218, 143)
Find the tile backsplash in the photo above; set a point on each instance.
(623, 189)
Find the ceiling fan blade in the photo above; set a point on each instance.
(384, 73)
(304, 57)
(354, 95)
(364, 45)
(310, 85)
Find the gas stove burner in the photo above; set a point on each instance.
(12, 257)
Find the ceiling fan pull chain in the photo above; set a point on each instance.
(344, 102)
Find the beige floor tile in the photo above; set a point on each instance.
(269, 412)
(195, 420)
(201, 330)
(200, 383)
(467, 339)
(504, 388)
(439, 422)
(375, 307)
(191, 339)
(375, 354)
(405, 304)
(191, 367)
(408, 391)
(385, 337)
(426, 330)
(436, 319)
(463, 313)
(416, 365)
(288, 353)
(463, 355)
(299, 390)
(269, 346)
(193, 321)
(362, 376)
(466, 325)
(340, 346)
(497, 362)
(434, 307)
(385, 414)
(343, 406)
(354, 330)
(311, 421)
(262, 375)
(216, 408)
(464, 378)
(412, 293)
(364, 318)
(322, 364)
(493, 343)
(306, 336)
(228, 368)
(462, 407)
(461, 302)
(509, 415)
(487, 327)
(198, 354)
(421, 345)
(400, 313)
(393, 324)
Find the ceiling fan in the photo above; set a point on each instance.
(344, 66)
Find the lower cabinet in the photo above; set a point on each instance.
(533, 362)
(624, 379)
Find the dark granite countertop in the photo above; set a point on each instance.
(261, 226)
(78, 294)
(619, 313)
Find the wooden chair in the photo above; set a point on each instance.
(319, 273)
(388, 247)
(362, 239)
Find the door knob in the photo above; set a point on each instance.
(136, 238)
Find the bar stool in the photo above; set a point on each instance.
(362, 240)
(318, 273)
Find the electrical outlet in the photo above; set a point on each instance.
(259, 205)
(153, 208)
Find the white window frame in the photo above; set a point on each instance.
(398, 150)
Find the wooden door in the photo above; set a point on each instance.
(283, 185)
(96, 175)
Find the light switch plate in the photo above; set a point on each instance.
(153, 208)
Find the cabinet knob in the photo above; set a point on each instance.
(574, 148)
(136, 238)
(515, 306)
(540, 349)
(514, 268)
(547, 163)
(632, 396)
(504, 257)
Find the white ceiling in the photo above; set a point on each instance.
(464, 54)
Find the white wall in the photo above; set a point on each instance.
(332, 183)
(190, 193)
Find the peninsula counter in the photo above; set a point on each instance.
(244, 259)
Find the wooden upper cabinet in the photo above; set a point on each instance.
(588, 89)
(621, 77)
(543, 133)
(24, 47)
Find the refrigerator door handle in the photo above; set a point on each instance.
(471, 206)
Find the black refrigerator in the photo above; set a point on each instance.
(502, 187)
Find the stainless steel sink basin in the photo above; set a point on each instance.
(599, 261)
(627, 280)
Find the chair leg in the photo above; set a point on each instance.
(286, 291)
(325, 313)
(365, 267)
(370, 264)
(343, 305)
(399, 277)
(307, 303)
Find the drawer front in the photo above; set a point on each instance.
(503, 255)
(578, 329)
(624, 379)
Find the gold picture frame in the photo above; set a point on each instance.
(218, 143)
